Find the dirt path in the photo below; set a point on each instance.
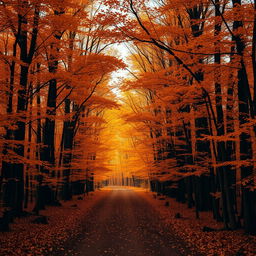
(124, 224)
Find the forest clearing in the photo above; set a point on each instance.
(128, 127)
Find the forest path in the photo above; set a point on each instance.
(125, 224)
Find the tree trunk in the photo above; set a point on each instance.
(224, 172)
(245, 109)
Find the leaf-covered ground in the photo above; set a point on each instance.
(28, 239)
(216, 243)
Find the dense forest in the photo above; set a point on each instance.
(180, 119)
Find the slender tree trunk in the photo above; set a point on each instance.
(245, 111)
(68, 137)
(68, 132)
(224, 172)
(28, 151)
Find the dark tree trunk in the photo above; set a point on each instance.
(68, 139)
(224, 172)
(245, 109)
(17, 174)
(47, 153)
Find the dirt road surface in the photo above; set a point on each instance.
(125, 224)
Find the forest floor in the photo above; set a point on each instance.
(29, 239)
(190, 229)
(67, 223)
